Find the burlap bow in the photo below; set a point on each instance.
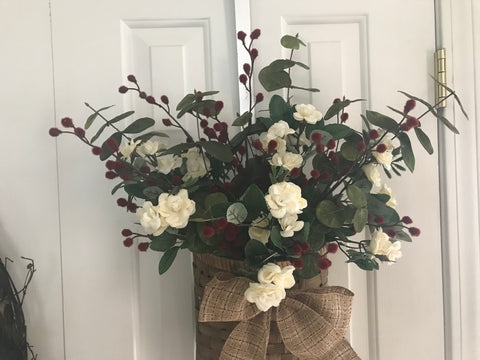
(312, 322)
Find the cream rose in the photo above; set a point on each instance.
(167, 163)
(258, 230)
(197, 164)
(381, 245)
(280, 130)
(151, 219)
(372, 174)
(151, 147)
(385, 158)
(287, 160)
(176, 209)
(290, 224)
(307, 113)
(127, 149)
(285, 198)
(392, 202)
(272, 273)
(265, 295)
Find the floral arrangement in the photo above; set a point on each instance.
(292, 184)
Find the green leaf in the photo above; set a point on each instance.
(187, 100)
(407, 152)
(167, 259)
(360, 219)
(236, 213)
(304, 88)
(356, 196)
(214, 199)
(377, 206)
(424, 140)
(349, 151)
(396, 110)
(367, 124)
(218, 150)
(276, 238)
(306, 231)
(457, 99)
(162, 242)
(448, 124)
(330, 214)
(273, 80)
(310, 267)
(281, 64)
(149, 135)
(362, 260)
(382, 121)
(106, 151)
(243, 119)
(152, 192)
(92, 117)
(121, 117)
(98, 133)
(255, 254)
(338, 131)
(402, 235)
(335, 108)
(302, 65)
(254, 200)
(279, 109)
(139, 125)
(291, 42)
(178, 149)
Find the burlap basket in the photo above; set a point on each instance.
(211, 336)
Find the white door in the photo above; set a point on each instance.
(116, 306)
(111, 300)
(369, 50)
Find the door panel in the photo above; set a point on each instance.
(116, 304)
(371, 49)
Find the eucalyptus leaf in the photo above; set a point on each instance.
(338, 131)
(276, 238)
(356, 196)
(273, 80)
(424, 140)
(349, 151)
(360, 219)
(236, 213)
(330, 214)
(291, 42)
(407, 152)
(162, 242)
(255, 254)
(243, 119)
(187, 100)
(218, 150)
(382, 121)
(167, 259)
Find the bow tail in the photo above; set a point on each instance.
(307, 335)
(249, 339)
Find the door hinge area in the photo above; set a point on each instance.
(441, 78)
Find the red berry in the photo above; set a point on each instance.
(259, 98)
(315, 173)
(257, 144)
(255, 34)
(247, 68)
(336, 100)
(128, 242)
(381, 148)
(409, 105)
(344, 117)
(79, 132)
(414, 231)
(203, 123)
(142, 94)
(218, 127)
(67, 122)
(54, 132)
(242, 150)
(126, 232)
(122, 202)
(295, 172)
(122, 89)
(379, 220)
(297, 249)
(332, 248)
(150, 99)
(325, 175)
(110, 175)
(407, 220)
(320, 148)
(373, 134)
(143, 246)
(331, 144)
(254, 53)
(208, 231)
(206, 111)
(164, 99)
(305, 247)
(412, 122)
(317, 138)
(131, 78)
(297, 263)
(391, 233)
(361, 147)
(333, 157)
(243, 79)
(324, 263)
(241, 35)
(176, 180)
(272, 145)
(221, 224)
(96, 150)
(132, 207)
(218, 106)
(112, 144)
(167, 122)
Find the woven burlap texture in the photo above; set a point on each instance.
(312, 322)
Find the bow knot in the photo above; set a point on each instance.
(312, 323)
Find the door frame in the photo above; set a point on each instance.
(459, 157)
